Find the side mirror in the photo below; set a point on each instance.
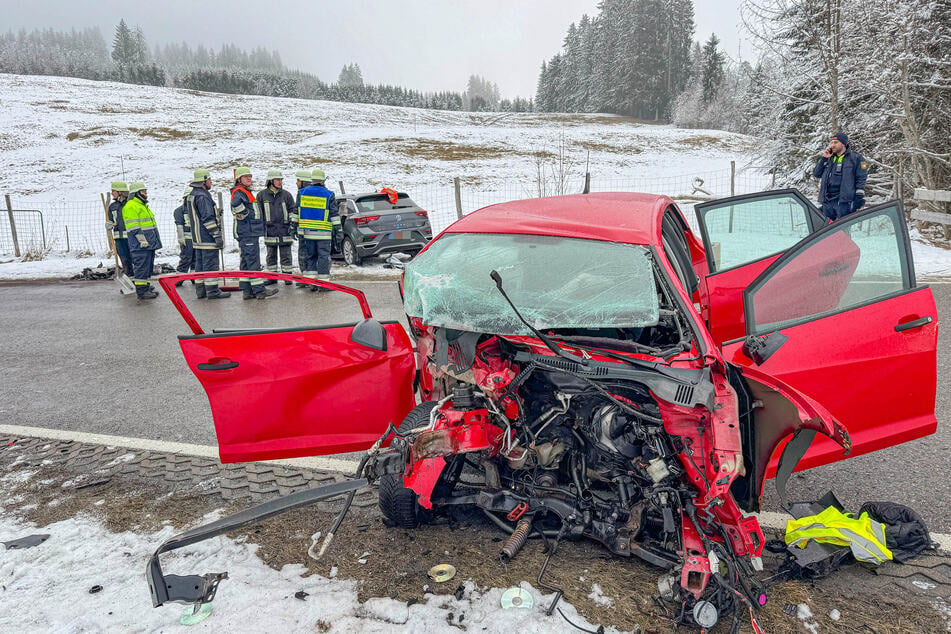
(369, 333)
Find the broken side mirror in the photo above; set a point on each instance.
(369, 333)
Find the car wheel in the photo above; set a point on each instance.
(350, 255)
(397, 503)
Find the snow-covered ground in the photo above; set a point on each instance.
(62, 140)
(47, 589)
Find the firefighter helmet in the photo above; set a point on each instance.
(119, 186)
(201, 175)
(318, 175)
(274, 173)
(136, 187)
(188, 192)
(302, 175)
(242, 171)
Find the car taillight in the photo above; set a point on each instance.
(363, 220)
(422, 213)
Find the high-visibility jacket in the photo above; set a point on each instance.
(863, 535)
(139, 219)
(317, 212)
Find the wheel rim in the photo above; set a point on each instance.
(348, 252)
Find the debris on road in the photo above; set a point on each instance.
(26, 542)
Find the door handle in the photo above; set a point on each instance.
(918, 323)
(224, 364)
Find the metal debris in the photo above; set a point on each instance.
(26, 542)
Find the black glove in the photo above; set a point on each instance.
(219, 241)
(292, 231)
(858, 203)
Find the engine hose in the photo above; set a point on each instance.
(508, 529)
(343, 511)
(516, 540)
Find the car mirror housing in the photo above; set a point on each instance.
(369, 333)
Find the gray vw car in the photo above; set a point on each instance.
(372, 225)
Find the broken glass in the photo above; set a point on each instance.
(555, 282)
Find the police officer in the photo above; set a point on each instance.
(843, 173)
(143, 238)
(318, 214)
(248, 229)
(303, 180)
(120, 193)
(184, 230)
(205, 222)
(280, 224)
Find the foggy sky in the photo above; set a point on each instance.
(428, 45)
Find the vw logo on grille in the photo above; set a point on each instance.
(398, 217)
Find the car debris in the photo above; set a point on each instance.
(26, 542)
(586, 367)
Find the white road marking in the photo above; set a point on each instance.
(184, 449)
(769, 519)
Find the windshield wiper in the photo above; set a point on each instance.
(592, 343)
(544, 338)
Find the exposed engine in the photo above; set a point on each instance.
(560, 448)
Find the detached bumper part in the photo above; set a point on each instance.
(202, 588)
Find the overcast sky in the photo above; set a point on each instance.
(424, 44)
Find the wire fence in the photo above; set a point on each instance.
(78, 226)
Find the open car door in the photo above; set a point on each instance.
(840, 319)
(742, 235)
(285, 393)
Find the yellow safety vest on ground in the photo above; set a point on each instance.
(863, 535)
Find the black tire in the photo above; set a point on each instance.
(349, 251)
(398, 503)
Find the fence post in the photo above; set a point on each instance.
(343, 192)
(732, 178)
(13, 227)
(773, 185)
(455, 184)
(587, 183)
(67, 237)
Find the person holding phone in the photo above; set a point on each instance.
(843, 173)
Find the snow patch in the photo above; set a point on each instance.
(597, 595)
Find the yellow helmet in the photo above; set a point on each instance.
(242, 171)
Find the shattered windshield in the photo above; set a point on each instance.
(555, 282)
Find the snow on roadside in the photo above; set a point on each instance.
(51, 585)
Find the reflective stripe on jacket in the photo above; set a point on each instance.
(280, 214)
(863, 535)
(205, 218)
(248, 221)
(115, 214)
(183, 220)
(317, 212)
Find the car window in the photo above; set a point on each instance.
(449, 284)
(381, 202)
(675, 246)
(741, 231)
(852, 263)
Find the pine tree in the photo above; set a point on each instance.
(122, 44)
(712, 64)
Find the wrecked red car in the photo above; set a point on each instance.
(588, 367)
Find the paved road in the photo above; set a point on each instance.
(78, 356)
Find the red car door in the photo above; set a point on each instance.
(840, 319)
(742, 235)
(286, 393)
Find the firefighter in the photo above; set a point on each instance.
(318, 215)
(205, 221)
(143, 238)
(184, 230)
(280, 224)
(843, 173)
(303, 180)
(248, 229)
(115, 224)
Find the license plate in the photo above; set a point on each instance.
(399, 235)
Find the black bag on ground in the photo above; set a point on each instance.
(906, 534)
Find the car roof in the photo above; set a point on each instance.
(614, 217)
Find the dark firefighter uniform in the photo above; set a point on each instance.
(143, 239)
(206, 233)
(280, 226)
(119, 234)
(318, 214)
(184, 230)
(248, 228)
(842, 188)
(303, 180)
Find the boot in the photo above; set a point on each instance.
(148, 293)
(216, 293)
(200, 291)
(264, 293)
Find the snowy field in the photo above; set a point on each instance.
(62, 140)
(43, 585)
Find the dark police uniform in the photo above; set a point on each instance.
(842, 188)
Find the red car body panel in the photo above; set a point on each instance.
(298, 392)
(878, 383)
(721, 296)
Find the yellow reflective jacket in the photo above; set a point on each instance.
(863, 535)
